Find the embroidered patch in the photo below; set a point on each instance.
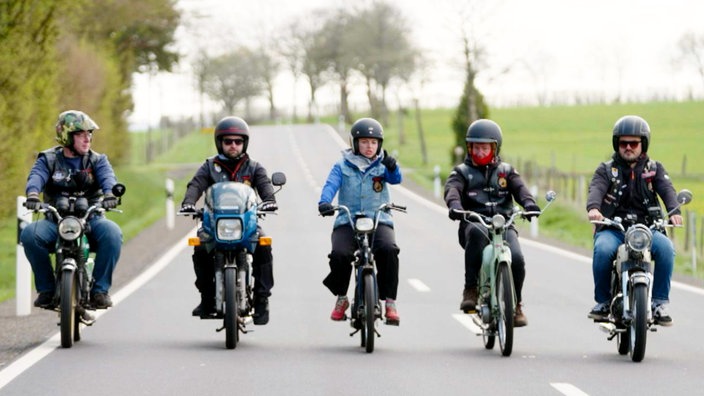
(217, 167)
(647, 175)
(247, 180)
(378, 183)
(614, 172)
(502, 182)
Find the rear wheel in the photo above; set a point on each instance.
(504, 297)
(369, 314)
(69, 299)
(639, 324)
(231, 306)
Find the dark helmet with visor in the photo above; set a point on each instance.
(631, 125)
(231, 126)
(366, 128)
(485, 131)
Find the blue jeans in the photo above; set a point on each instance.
(606, 243)
(39, 239)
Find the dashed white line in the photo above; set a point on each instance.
(568, 389)
(419, 285)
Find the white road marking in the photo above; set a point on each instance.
(568, 389)
(467, 322)
(418, 285)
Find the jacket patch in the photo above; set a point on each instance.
(377, 183)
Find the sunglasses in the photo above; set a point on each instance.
(628, 143)
(227, 141)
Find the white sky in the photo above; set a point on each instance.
(553, 48)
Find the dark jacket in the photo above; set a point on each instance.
(488, 189)
(219, 168)
(617, 189)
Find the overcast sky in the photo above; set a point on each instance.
(552, 49)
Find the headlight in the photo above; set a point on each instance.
(498, 221)
(70, 228)
(364, 224)
(229, 229)
(639, 237)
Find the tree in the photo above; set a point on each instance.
(691, 49)
(232, 78)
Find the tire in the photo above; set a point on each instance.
(623, 342)
(69, 297)
(231, 308)
(504, 297)
(639, 324)
(369, 314)
(489, 339)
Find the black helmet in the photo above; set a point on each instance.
(231, 126)
(366, 128)
(632, 125)
(484, 131)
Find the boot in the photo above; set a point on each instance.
(469, 299)
(519, 319)
(261, 310)
(206, 307)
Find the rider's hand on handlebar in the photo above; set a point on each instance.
(109, 201)
(595, 214)
(531, 208)
(268, 206)
(188, 208)
(326, 209)
(33, 201)
(674, 219)
(455, 215)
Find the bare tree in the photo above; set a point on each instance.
(691, 48)
(232, 78)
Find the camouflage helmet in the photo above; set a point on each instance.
(71, 121)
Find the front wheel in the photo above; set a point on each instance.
(231, 308)
(638, 328)
(69, 300)
(369, 314)
(504, 297)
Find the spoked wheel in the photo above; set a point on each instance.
(68, 315)
(504, 296)
(369, 315)
(639, 324)
(231, 306)
(489, 339)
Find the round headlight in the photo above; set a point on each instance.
(498, 221)
(229, 229)
(70, 228)
(364, 224)
(639, 237)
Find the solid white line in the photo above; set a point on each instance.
(568, 389)
(20, 365)
(418, 285)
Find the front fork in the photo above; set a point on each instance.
(628, 284)
(494, 254)
(242, 261)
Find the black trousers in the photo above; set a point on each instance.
(262, 271)
(385, 253)
(473, 237)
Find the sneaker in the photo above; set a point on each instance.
(341, 305)
(392, 317)
(101, 300)
(661, 316)
(469, 300)
(519, 319)
(261, 311)
(45, 300)
(599, 312)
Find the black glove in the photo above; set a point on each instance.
(109, 201)
(326, 209)
(454, 215)
(188, 208)
(531, 208)
(33, 202)
(268, 206)
(389, 162)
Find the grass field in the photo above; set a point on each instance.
(571, 139)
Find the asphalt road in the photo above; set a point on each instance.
(149, 344)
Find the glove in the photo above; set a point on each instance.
(389, 162)
(325, 209)
(455, 215)
(531, 208)
(109, 201)
(268, 206)
(188, 208)
(33, 202)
